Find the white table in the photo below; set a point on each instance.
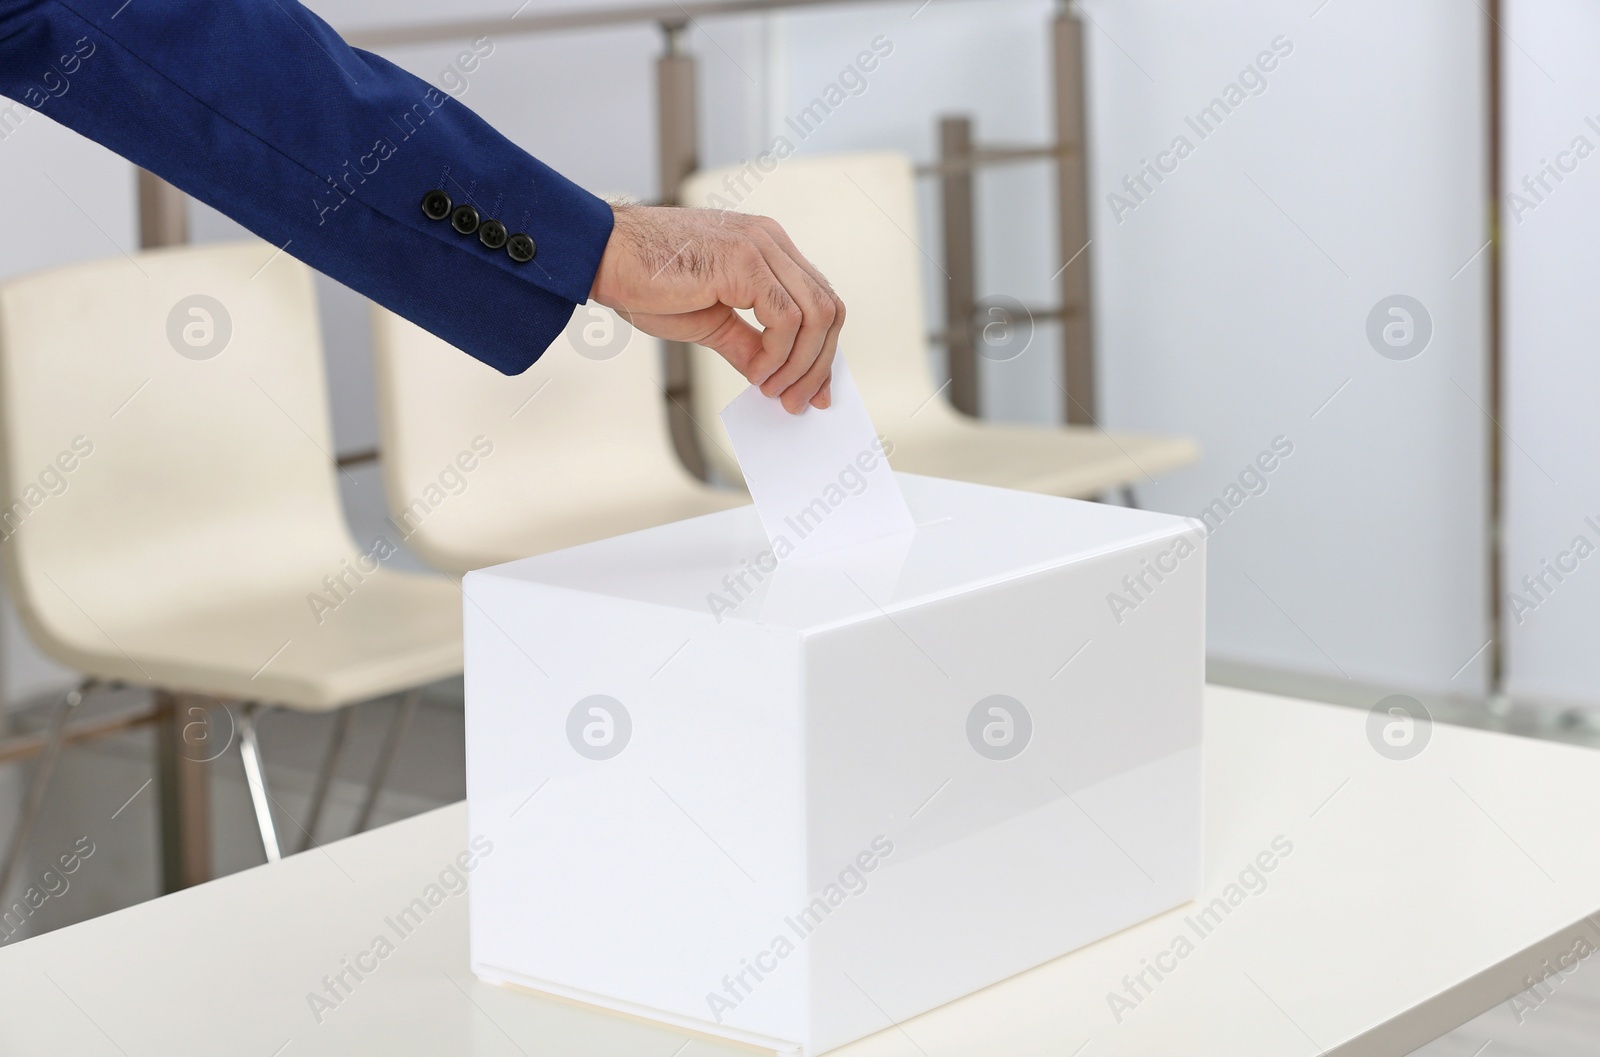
(1417, 895)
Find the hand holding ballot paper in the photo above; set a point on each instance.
(680, 274)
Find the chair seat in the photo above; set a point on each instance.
(1071, 461)
(461, 542)
(392, 631)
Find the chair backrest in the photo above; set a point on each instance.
(855, 217)
(164, 437)
(479, 466)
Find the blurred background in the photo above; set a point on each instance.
(1290, 243)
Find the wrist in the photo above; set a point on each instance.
(613, 249)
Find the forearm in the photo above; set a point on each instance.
(258, 108)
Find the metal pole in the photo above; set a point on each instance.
(1077, 331)
(391, 746)
(27, 746)
(678, 147)
(330, 763)
(676, 113)
(184, 785)
(1497, 700)
(255, 778)
(960, 260)
(163, 213)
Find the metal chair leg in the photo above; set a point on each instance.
(330, 761)
(391, 744)
(41, 778)
(255, 777)
(183, 785)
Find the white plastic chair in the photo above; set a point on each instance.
(854, 216)
(174, 514)
(481, 469)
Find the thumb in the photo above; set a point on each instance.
(717, 327)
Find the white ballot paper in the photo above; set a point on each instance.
(819, 479)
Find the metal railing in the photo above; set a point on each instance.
(553, 22)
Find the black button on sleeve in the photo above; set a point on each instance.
(464, 219)
(436, 205)
(492, 234)
(521, 248)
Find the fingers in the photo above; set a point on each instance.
(756, 287)
(817, 312)
(797, 315)
(813, 386)
(733, 339)
(823, 395)
(719, 328)
(830, 347)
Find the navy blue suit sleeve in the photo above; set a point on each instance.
(258, 108)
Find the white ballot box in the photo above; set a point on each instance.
(793, 803)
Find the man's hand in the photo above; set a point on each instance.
(680, 274)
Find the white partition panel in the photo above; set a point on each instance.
(1345, 164)
(1551, 179)
(1305, 163)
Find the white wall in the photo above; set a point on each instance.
(1222, 317)
(1552, 477)
(1234, 302)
